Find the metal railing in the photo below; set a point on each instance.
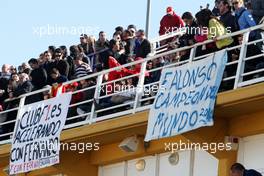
(102, 104)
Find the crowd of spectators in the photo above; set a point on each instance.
(56, 66)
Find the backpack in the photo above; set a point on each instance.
(238, 16)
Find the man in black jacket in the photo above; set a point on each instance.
(227, 18)
(142, 46)
(24, 86)
(128, 43)
(38, 75)
(61, 64)
(115, 52)
(238, 169)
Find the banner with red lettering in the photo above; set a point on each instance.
(36, 138)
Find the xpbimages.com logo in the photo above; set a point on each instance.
(58, 30)
(119, 88)
(197, 30)
(208, 147)
(46, 148)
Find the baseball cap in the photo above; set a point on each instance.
(169, 9)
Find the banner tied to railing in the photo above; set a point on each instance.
(186, 98)
(36, 138)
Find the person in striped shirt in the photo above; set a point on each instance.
(81, 68)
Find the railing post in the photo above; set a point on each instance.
(96, 98)
(241, 62)
(153, 48)
(192, 54)
(140, 86)
(262, 36)
(21, 104)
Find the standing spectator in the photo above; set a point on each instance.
(102, 43)
(119, 29)
(25, 68)
(257, 10)
(85, 58)
(48, 65)
(6, 74)
(15, 77)
(133, 29)
(24, 86)
(142, 46)
(226, 16)
(38, 75)
(51, 50)
(215, 10)
(113, 51)
(206, 19)
(170, 22)
(70, 61)
(61, 64)
(191, 25)
(243, 16)
(91, 54)
(117, 36)
(82, 68)
(238, 169)
(84, 43)
(13, 69)
(128, 43)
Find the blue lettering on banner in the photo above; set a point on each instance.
(188, 101)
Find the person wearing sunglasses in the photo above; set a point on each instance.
(243, 16)
(61, 64)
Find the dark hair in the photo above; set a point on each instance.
(119, 28)
(141, 31)
(187, 15)
(99, 67)
(33, 61)
(237, 167)
(84, 35)
(80, 49)
(46, 52)
(128, 32)
(101, 32)
(54, 71)
(74, 50)
(58, 50)
(117, 33)
(226, 2)
(131, 26)
(52, 48)
(203, 17)
(27, 71)
(112, 43)
(64, 51)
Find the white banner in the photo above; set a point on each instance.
(36, 138)
(186, 97)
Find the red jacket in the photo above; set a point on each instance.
(170, 23)
(113, 75)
